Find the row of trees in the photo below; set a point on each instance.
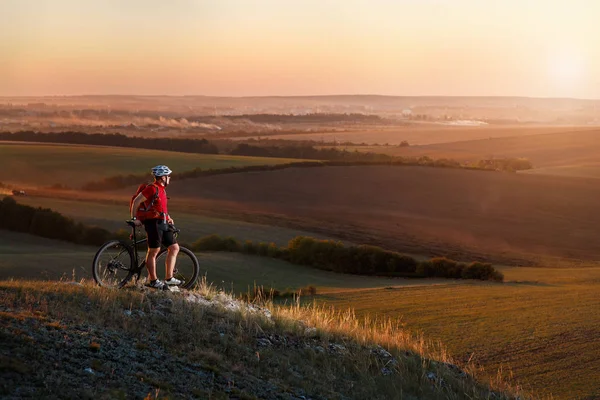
(202, 146)
(328, 255)
(121, 181)
(299, 151)
(47, 223)
(333, 256)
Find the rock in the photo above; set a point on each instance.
(310, 332)
(381, 352)
(337, 348)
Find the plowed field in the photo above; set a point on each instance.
(464, 214)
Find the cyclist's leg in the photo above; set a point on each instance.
(154, 239)
(169, 240)
(151, 263)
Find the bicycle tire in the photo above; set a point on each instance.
(113, 270)
(187, 267)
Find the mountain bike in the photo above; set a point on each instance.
(117, 262)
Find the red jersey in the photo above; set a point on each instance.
(160, 204)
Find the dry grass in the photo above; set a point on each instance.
(541, 332)
(224, 342)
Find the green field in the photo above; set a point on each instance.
(193, 226)
(29, 257)
(544, 329)
(73, 166)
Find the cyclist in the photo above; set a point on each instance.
(157, 227)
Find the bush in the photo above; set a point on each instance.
(216, 243)
(482, 271)
(262, 249)
(249, 247)
(445, 268)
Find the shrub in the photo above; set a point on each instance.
(300, 250)
(249, 247)
(274, 251)
(425, 269)
(482, 271)
(446, 268)
(216, 243)
(401, 264)
(262, 249)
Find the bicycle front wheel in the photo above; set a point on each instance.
(112, 264)
(187, 267)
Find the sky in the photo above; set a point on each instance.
(534, 48)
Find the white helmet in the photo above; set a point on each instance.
(161, 170)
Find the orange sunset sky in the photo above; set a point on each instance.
(286, 47)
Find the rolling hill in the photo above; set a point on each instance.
(503, 217)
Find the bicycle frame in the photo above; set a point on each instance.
(136, 259)
(139, 266)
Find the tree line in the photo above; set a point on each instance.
(122, 181)
(49, 224)
(327, 255)
(330, 255)
(201, 146)
(298, 151)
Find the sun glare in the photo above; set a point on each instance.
(566, 69)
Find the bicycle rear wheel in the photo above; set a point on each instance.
(187, 267)
(112, 264)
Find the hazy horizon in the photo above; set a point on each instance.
(292, 95)
(233, 48)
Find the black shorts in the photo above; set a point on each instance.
(158, 233)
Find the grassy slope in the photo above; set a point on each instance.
(545, 329)
(47, 164)
(113, 344)
(541, 324)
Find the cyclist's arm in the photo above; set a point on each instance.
(136, 204)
